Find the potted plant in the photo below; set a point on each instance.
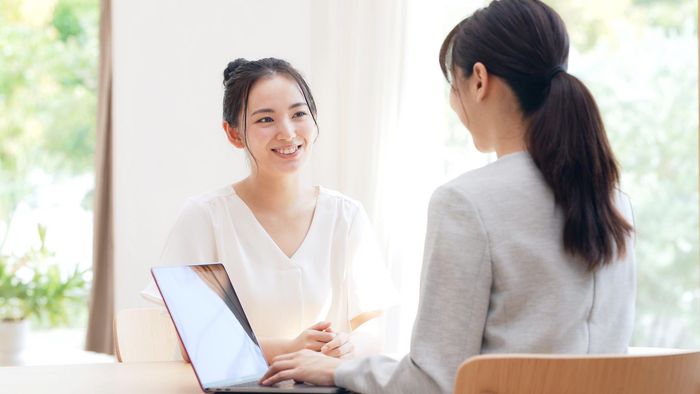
(32, 287)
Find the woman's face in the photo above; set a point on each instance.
(280, 129)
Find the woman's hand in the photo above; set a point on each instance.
(303, 366)
(339, 347)
(313, 338)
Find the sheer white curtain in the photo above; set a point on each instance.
(427, 148)
(388, 136)
(356, 76)
(356, 58)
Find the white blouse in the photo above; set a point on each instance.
(336, 273)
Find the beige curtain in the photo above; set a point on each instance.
(99, 333)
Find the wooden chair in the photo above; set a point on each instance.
(600, 374)
(145, 334)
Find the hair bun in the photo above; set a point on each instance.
(232, 66)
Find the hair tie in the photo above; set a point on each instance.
(554, 71)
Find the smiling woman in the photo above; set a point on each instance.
(303, 259)
(267, 109)
(277, 130)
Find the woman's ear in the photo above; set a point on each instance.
(234, 137)
(480, 80)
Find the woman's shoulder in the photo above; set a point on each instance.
(508, 182)
(345, 206)
(624, 205)
(210, 200)
(339, 198)
(513, 171)
(211, 196)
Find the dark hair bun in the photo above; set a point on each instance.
(231, 68)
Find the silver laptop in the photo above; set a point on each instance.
(215, 332)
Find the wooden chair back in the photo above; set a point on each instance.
(144, 335)
(600, 374)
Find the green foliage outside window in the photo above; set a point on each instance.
(32, 287)
(640, 60)
(48, 82)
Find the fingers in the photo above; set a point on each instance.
(314, 337)
(283, 357)
(320, 326)
(278, 377)
(345, 349)
(284, 367)
(278, 369)
(321, 336)
(319, 332)
(305, 365)
(338, 341)
(334, 344)
(314, 345)
(291, 356)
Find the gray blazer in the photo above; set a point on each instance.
(496, 279)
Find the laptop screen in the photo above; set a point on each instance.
(212, 326)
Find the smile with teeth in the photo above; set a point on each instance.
(287, 150)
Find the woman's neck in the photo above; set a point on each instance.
(508, 146)
(273, 193)
(510, 131)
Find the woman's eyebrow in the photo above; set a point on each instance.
(268, 110)
(299, 104)
(262, 110)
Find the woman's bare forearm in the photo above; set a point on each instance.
(273, 347)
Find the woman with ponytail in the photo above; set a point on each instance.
(530, 254)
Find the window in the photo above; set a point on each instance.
(48, 82)
(639, 59)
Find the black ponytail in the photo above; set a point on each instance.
(525, 43)
(567, 141)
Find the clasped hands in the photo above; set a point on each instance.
(322, 338)
(311, 357)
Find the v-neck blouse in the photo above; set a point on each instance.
(253, 221)
(336, 273)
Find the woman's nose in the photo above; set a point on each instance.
(286, 130)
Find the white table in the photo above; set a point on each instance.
(129, 378)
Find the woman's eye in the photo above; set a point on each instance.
(299, 114)
(266, 119)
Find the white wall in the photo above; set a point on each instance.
(168, 144)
